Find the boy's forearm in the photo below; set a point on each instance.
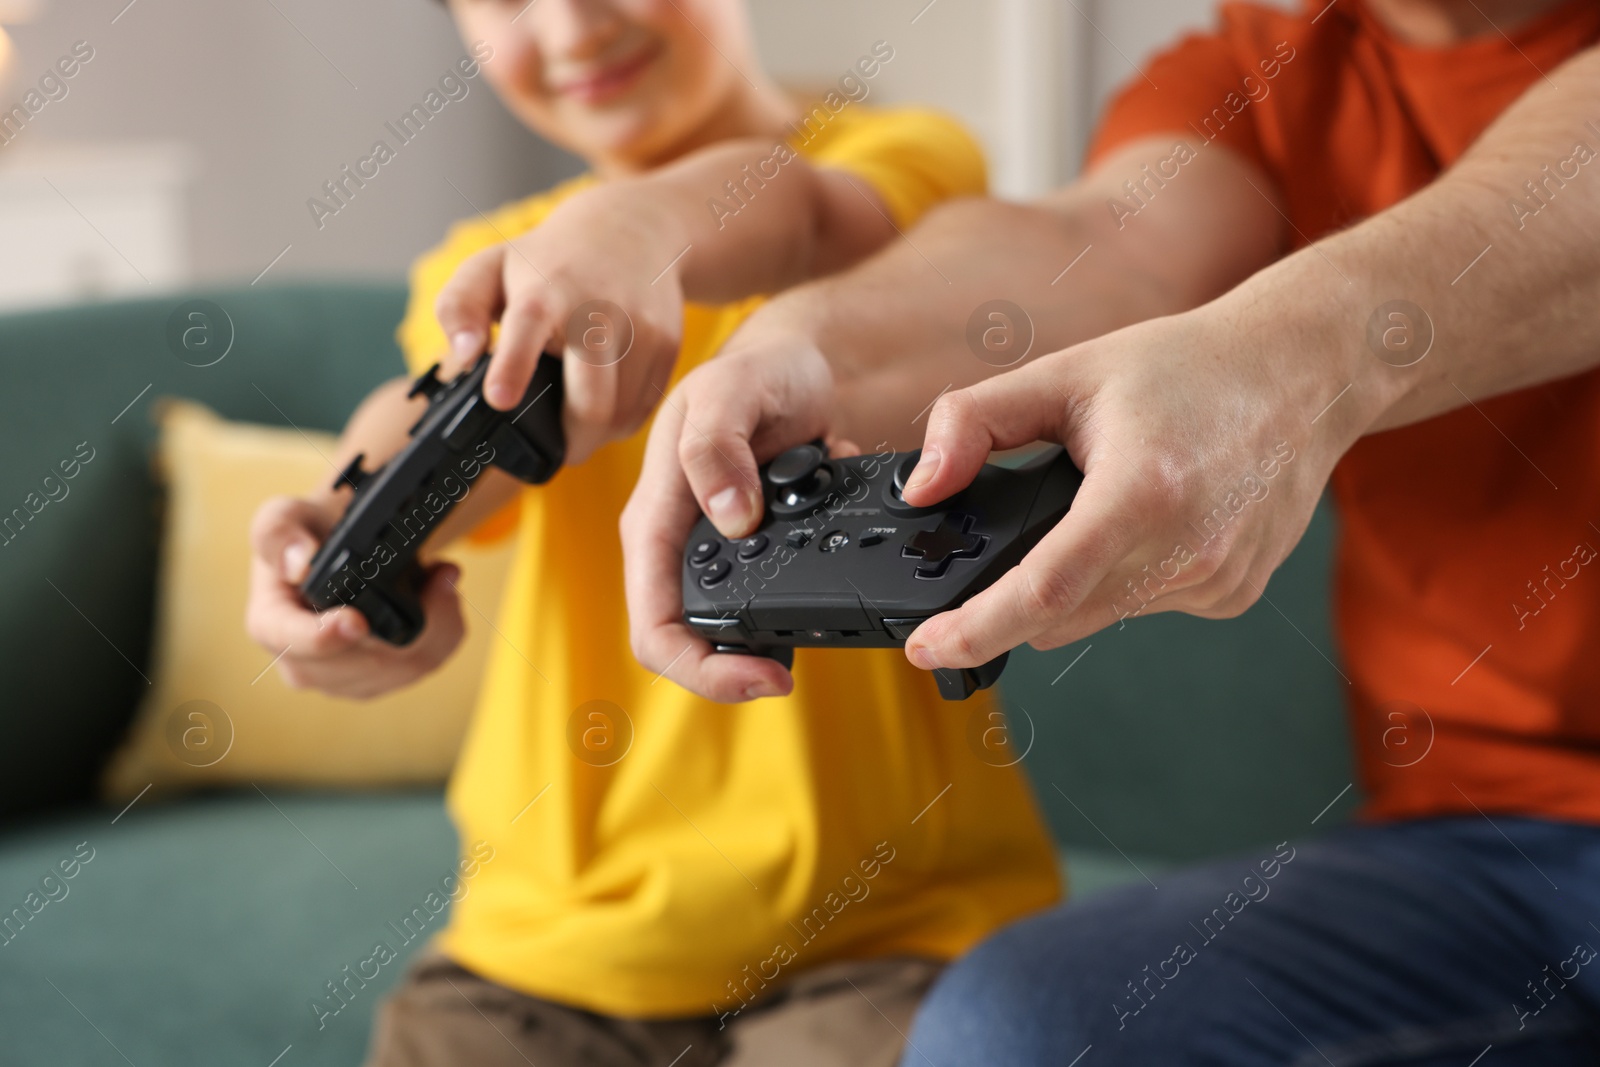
(755, 216)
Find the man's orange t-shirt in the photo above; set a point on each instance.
(1468, 580)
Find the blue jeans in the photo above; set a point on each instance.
(1426, 943)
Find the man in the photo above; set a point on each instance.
(1356, 246)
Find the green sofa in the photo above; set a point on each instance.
(200, 929)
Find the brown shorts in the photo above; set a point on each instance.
(848, 1014)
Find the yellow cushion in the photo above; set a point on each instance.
(217, 473)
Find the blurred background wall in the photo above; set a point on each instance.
(185, 150)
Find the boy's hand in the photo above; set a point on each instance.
(335, 652)
(598, 282)
(724, 418)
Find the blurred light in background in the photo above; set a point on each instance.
(11, 13)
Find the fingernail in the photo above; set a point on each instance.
(759, 690)
(499, 395)
(295, 558)
(465, 344)
(926, 468)
(728, 511)
(922, 657)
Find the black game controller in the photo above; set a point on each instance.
(841, 561)
(369, 560)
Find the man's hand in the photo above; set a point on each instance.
(335, 652)
(864, 353)
(1203, 459)
(596, 282)
(761, 399)
(1170, 417)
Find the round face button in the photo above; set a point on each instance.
(715, 573)
(753, 546)
(704, 552)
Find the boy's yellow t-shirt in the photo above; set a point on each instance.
(698, 854)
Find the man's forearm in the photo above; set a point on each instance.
(926, 314)
(1489, 278)
(895, 329)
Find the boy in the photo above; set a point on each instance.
(672, 881)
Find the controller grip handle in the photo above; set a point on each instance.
(531, 445)
(959, 683)
(779, 653)
(394, 609)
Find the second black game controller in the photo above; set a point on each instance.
(369, 559)
(842, 561)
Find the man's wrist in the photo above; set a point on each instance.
(1310, 324)
(792, 318)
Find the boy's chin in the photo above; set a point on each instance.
(635, 140)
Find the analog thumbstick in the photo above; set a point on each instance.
(796, 467)
(798, 476)
(903, 469)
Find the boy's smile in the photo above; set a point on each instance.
(627, 84)
(596, 84)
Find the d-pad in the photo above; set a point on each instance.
(951, 539)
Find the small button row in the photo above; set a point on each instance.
(713, 570)
(704, 553)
